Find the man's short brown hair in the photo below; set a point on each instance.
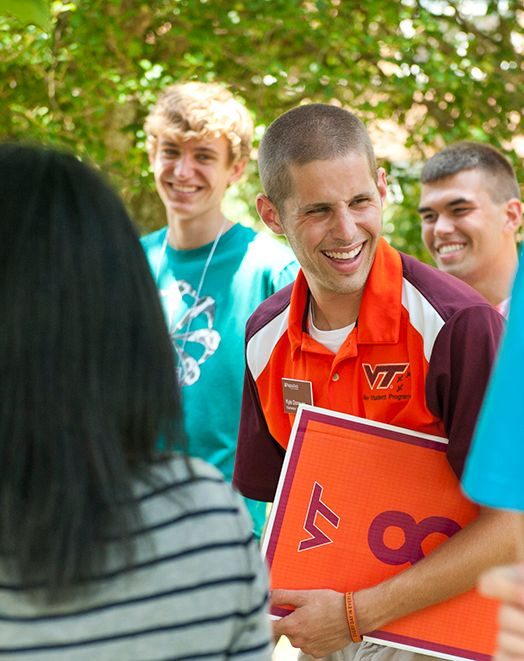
(313, 132)
(501, 182)
(201, 111)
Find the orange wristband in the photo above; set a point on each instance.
(351, 617)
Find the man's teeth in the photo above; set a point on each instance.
(451, 247)
(343, 255)
(185, 189)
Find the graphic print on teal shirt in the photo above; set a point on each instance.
(208, 333)
(190, 320)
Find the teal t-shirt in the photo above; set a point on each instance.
(494, 472)
(208, 331)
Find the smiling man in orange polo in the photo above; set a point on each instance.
(368, 331)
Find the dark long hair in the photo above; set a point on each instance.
(87, 377)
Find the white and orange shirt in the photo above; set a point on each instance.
(419, 357)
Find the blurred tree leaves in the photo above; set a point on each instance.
(36, 12)
(420, 73)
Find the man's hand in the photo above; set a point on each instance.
(318, 625)
(507, 584)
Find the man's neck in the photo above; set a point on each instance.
(495, 283)
(337, 311)
(188, 234)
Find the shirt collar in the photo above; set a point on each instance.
(380, 309)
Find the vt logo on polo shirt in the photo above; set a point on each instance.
(386, 382)
(381, 376)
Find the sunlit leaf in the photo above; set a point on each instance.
(35, 12)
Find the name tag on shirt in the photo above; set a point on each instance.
(295, 392)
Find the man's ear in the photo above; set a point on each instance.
(269, 214)
(382, 184)
(513, 210)
(237, 170)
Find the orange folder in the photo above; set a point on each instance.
(359, 501)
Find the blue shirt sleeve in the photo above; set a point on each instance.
(494, 474)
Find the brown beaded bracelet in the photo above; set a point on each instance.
(351, 617)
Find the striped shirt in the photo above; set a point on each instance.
(197, 587)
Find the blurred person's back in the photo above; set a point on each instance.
(108, 549)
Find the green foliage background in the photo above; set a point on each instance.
(421, 73)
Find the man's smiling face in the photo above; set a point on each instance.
(333, 220)
(191, 176)
(462, 226)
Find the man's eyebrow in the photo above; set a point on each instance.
(166, 142)
(458, 200)
(208, 150)
(451, 203)
(313, 206)
(316, 205)
(179, 143)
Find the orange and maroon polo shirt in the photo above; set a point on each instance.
(419, 357)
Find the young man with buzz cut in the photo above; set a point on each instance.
(358, 302)
(471, 211)
(211, 273)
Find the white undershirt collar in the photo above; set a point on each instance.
(331, 339)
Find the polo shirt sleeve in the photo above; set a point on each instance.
(458, 373)
(259, 457)
(494, 474)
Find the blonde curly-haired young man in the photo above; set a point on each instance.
(211, 272)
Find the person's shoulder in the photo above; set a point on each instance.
(189, 502)
(265, 240)
(186, 479)
(153, 238)
(267, 249)
(185, 470)
(269, 310)
(203, 470)
(206, 488)
(446, 294)
(265, 261)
